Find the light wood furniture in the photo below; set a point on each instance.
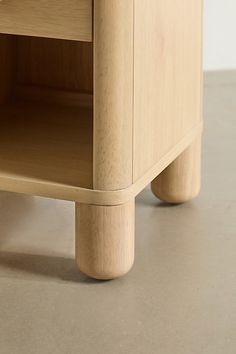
(108, 102)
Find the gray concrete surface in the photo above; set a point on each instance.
(180, 297)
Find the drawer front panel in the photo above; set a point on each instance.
(66, 19)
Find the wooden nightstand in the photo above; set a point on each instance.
(98, 99)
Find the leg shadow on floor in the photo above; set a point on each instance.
(41, 267)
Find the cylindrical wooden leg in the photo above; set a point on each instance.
(180, 181)
(105, 239)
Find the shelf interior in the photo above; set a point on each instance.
(46, 142)
(46, 115)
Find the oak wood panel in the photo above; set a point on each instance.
(113, 93)
(51, 95)
(71, 19)
(7, 66)
(46, 143)
(21, 183)
(167, 77)
(55, 63)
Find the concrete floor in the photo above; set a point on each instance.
(180, 297)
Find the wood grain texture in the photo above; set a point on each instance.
(180, 181)
(105, 239)
(24, 183)
(113, 93)
(167, 77)
(70, 19)
(55, 63)
(46, 143)
(7, 66)
(53, 96)
(167, 103)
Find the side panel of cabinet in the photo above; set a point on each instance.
(167, 77)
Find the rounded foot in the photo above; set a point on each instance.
(105, 240)
(180, 181)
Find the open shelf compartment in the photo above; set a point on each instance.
(46, 114)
